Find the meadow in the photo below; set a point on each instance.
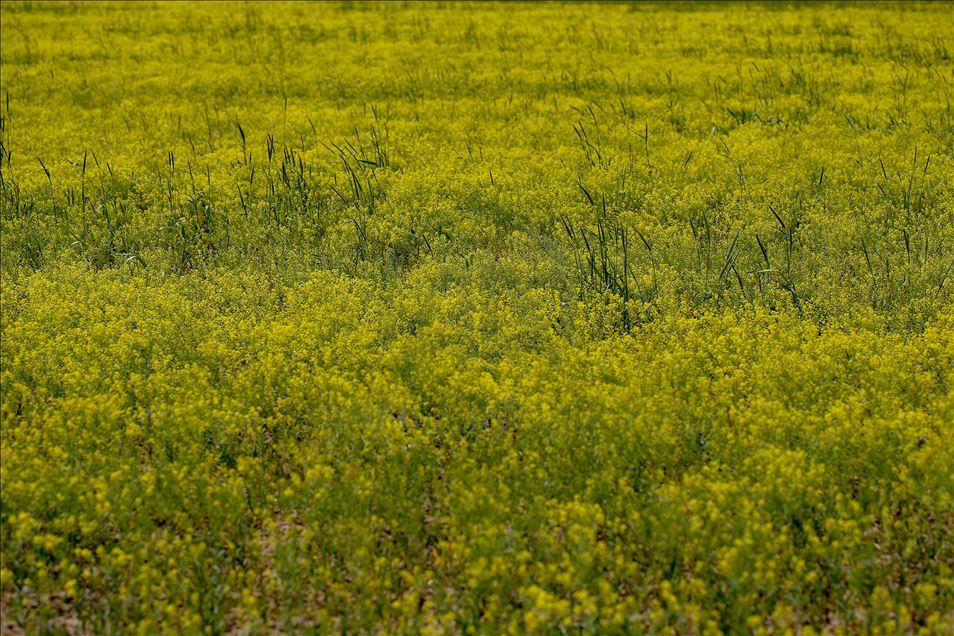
(476, 318)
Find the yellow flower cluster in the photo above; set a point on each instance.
(476, 319)
(308, 463)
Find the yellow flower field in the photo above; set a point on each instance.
(477, 318)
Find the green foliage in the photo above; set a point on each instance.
(476, 318)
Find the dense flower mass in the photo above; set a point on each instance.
(476, 318)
